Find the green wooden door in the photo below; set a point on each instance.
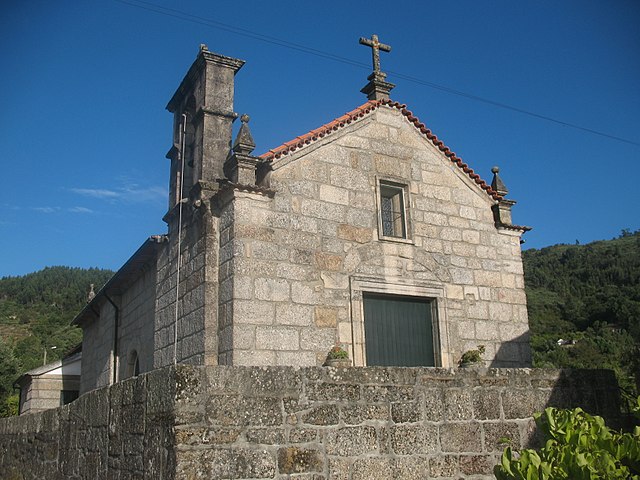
(398, 331)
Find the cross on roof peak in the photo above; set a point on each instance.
(377, 88)
(376, 46)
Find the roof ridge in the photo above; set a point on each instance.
(361, 111)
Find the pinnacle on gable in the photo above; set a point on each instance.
(497, 184)
(244, 144)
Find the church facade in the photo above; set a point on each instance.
(367, 233)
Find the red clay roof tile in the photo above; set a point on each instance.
(360, 112)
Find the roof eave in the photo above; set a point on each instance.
(115, 285)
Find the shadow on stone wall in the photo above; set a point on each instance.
(595, 391)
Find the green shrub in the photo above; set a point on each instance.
(577, 446)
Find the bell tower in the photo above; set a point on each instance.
(202, 108)
(187, 307)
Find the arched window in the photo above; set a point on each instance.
(133, 365)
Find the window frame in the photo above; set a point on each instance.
(402, 188)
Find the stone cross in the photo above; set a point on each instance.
(376, 46)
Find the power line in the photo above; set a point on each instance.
(171, 12)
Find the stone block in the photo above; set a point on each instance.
(333, 392)
(374, 467)
(253, 311)
(296, 358)
(406, 412)
(291, 314)
(351, 441)
(413, 439)
(458, 404)
(487, 278)
(299, 460)
(306, 293)
(206, 436)
(520, 403)
(461, 437)
(244, 337)
(461, 276)
(236, 410)
(322, 415)
(476, 464)
(317, 339)
(514, 331)
(388, 393)
(333, 194)
(443, 466)
(339, 468)
(335, 280)
(355, 414)
(486, 404)
(325, 317)
(498, 435)
(293, 271)
(433, 404)
(303, 435)
(225, 463)
(355, 234)
(272, 289)
(348, 178)
(266, 436)
(323, 210)
(328, 261)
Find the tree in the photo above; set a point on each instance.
(577, 446)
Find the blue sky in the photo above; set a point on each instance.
(84, 87)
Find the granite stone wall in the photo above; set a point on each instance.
(97, 345)
(308, 423)
(135, 332)
(197, 296)
(304, 258)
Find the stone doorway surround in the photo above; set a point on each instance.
(396, 286)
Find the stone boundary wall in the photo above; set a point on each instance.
(311, 423)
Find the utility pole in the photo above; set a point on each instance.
(44, 360)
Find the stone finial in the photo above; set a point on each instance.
(240, 167)
(91, 294)
(497, 184)
(377, 88)
(203, 48)
(502, 209)
(244, 143)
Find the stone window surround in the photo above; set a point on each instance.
(397, 286)
(400, 184)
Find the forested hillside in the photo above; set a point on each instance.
(35, 314)
(588, 296)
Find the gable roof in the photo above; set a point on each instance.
(362, 111)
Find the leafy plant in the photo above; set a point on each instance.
(472, 356)
(578, 446)
(338, 352)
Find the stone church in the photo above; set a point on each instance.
(367, 232)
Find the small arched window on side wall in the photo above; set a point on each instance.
(133, 365)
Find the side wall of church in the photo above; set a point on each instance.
(136, 309)
(135, 333)
(97, 348)
(304, 258)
